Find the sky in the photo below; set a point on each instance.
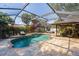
(36, 8)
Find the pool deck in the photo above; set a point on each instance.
(55, 46)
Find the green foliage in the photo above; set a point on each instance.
(22, 28)
(26, 18)
(4, 28)
(42, 30)
(5, 17)
(2, 22)
(66, 31)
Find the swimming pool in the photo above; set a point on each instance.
(28, 40)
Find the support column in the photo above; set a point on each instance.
(56, 30)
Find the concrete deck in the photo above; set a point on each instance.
(55, 46)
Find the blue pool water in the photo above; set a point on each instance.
(27, 40)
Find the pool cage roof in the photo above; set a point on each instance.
(40, 10)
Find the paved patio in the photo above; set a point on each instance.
(55, 46)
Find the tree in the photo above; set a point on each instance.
(26, 18)
(5, 17)
(4, 21)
